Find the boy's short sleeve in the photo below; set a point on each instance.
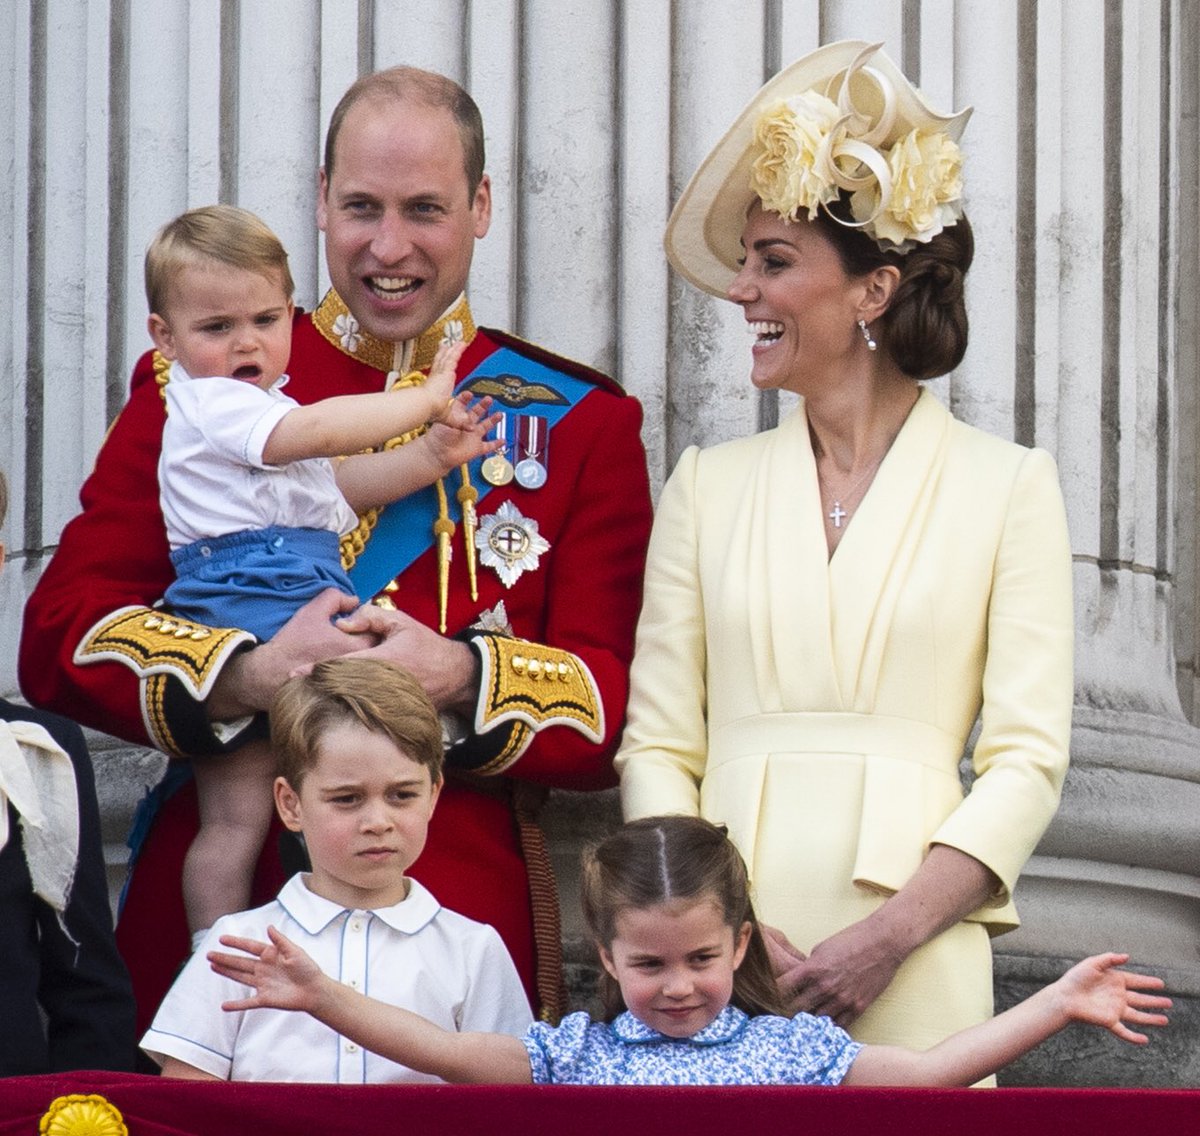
(233, 417)
(190, 1024)
(496, 1001)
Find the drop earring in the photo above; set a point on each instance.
(866, 334)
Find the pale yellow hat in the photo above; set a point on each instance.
(842, 117)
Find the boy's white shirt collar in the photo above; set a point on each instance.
(314, 912)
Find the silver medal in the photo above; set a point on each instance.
(530, 474)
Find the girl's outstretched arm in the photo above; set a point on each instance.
(285, 978)
(1092, 991)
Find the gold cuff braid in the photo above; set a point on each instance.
(518, 742)
(536, 685)
(151, 642)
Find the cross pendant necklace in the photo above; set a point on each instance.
(837, 514)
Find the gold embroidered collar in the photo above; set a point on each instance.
(336, 323)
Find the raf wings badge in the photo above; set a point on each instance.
(510, 543)
(514, 391)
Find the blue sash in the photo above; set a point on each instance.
(404, 530)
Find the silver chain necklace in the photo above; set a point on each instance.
(837, 514)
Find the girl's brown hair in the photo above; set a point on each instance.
(658, 859)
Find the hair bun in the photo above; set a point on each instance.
(944, 280)
(926, 324)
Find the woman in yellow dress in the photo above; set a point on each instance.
(831, 605)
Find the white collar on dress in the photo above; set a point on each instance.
(726, 1026)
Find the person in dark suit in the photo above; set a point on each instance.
(65, 995)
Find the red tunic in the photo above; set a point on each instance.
(583, 598)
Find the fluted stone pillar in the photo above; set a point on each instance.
(1120, 865)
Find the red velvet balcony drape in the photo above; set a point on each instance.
(154, 1107)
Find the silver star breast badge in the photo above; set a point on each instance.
(510, 543)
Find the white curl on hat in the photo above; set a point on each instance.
(844, 117)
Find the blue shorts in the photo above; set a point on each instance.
(256, 580)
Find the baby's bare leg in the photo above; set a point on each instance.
(236, 803)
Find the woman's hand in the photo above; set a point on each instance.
(782, 953)
(843, 975)
(840, 978)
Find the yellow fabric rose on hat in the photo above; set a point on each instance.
(791, 172)
(926, 168)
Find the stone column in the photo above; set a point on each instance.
(1120, 867)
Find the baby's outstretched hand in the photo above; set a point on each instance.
(461, 436)
(283, 975)
(469, 415)
(1095, 991)
(443, 375)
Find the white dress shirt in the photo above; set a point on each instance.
(416, 954)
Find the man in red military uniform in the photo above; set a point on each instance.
(511, 590)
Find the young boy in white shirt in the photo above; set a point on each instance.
(253, 507)
(359, 749)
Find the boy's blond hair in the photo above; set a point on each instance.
(374, 694)
(221, 233)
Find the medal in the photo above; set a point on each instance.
(510, 543)
(532, 438)
(530, 474)
(498, 470)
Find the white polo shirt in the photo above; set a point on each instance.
(418, 955)
(211, 476)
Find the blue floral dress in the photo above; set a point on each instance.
(733, 1049)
